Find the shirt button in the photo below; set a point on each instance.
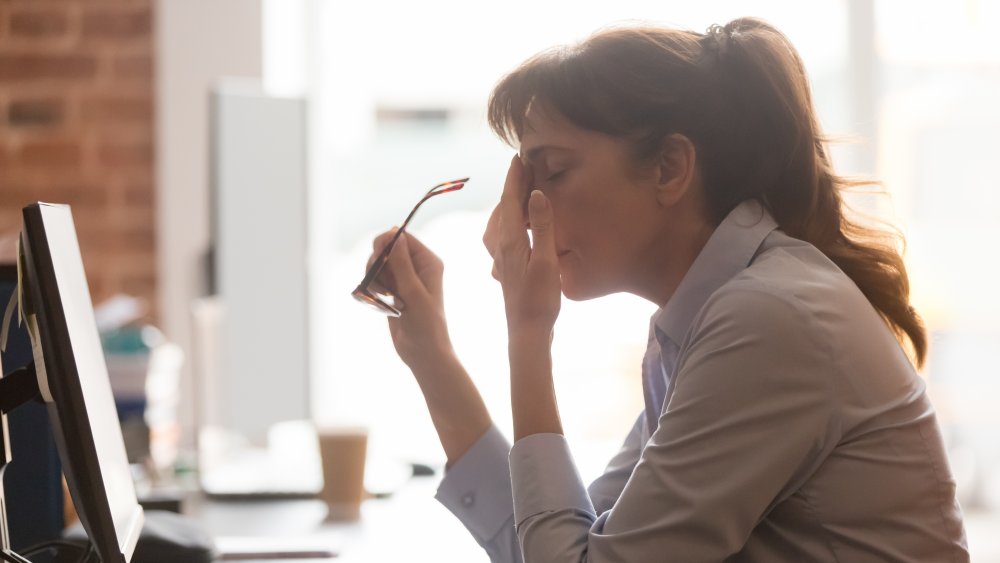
(468, 499)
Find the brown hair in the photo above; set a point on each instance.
(741, 95)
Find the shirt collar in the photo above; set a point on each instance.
(728, 251)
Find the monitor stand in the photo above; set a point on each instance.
(165, 537)
(16, 388)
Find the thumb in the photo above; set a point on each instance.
(400, 265)
(540, 218)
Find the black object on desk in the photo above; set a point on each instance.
(34, 494)
(166, 537)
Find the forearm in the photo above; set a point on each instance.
(477, 490)
(455, 405)
(533, 397)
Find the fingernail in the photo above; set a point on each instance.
(538, 201)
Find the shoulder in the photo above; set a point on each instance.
(792, 291)
(752, 311)
(778, 290)
(772, 322)
(755, 349)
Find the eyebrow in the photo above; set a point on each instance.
(533, 154)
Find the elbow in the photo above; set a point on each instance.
(556, 537)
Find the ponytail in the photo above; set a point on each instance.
(772, 107)
(740, 93)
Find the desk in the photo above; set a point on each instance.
(408, 526)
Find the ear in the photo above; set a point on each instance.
(676, 169)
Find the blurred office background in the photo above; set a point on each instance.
(118, 108)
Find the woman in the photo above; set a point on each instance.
(784, 419)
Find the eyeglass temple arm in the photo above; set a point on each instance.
(379, 262)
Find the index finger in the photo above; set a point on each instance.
(514, 197)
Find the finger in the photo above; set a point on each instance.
(421, 256)
(410, 282)
(427, 265)
(378, 245)
(416, 247)
(379, 242)
(383, 283)
(514, 194)
(512, 218)
(528, 180)
(540, 217)
(491, 239)
(400, 266)
(371, 260)
(492, 235)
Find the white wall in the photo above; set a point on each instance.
(197, 41)
(259, 171)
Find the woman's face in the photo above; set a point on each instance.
(607, 220)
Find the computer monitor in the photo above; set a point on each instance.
(73, 381)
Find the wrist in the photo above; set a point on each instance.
(528, 337)
(456, 407)
(428, 354)
(440, 368)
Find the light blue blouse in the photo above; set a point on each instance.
(784, 423)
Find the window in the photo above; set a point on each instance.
(397, 116)
(398, 94)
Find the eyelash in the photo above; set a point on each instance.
(555, 176)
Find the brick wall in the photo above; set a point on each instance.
(76, 127)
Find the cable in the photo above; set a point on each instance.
(11, 557)
(54, 544)
(86, 550)
(86, 554)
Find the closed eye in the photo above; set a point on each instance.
(555, 176)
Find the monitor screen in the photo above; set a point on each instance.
(73, 380)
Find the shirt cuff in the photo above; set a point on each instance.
(545, 478)
(476, 489)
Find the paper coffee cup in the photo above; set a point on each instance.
(343, 451)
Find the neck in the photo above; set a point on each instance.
(670, 257)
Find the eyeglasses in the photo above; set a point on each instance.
(382, 302)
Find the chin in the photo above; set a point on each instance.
(573, 290)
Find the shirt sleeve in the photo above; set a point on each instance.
(749, 420)
(606, 489)
(477, 490)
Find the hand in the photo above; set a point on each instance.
(413, 275)
(529, 275)
(528, 272)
